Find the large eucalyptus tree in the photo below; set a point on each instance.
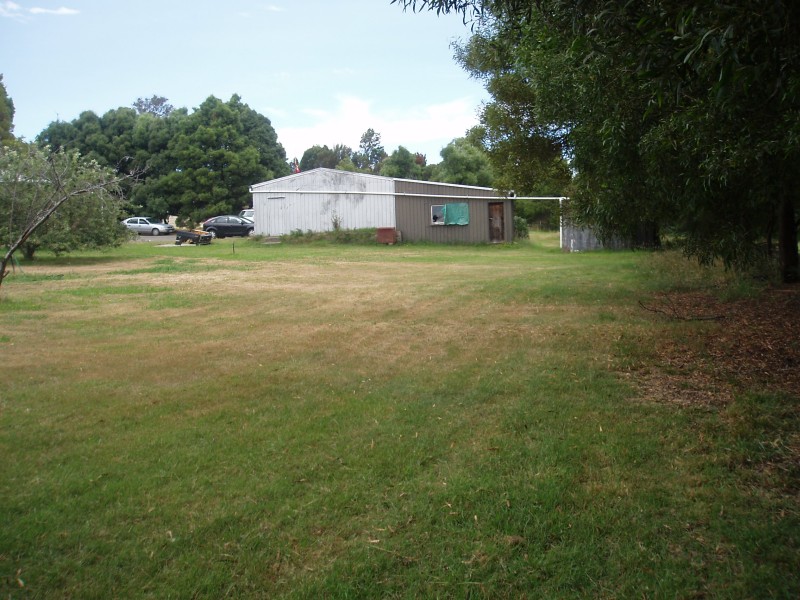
(686, 115)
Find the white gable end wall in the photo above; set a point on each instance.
(318, 199)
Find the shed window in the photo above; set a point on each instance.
(454, 213)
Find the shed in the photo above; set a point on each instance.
(326, 199)
(577, 238)
(322, 200)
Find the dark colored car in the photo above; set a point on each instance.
(228, 225)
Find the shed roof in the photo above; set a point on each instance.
(295, 178)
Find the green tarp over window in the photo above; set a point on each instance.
(456, 213)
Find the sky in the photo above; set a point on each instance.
(322, 71)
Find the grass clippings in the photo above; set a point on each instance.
(753, 345)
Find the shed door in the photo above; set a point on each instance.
(497, 229)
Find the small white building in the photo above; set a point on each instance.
(323, 200)
(327, 199)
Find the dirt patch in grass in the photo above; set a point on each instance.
(754, 345)
(747, 367)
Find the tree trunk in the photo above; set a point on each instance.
(647, 236)
(28, 250)
(787, 240)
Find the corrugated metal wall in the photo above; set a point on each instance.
(316, 199)
(414, 212)
(581, 239)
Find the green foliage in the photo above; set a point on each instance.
(217, 153)
(120, 140)
(370, 158)
(521, 229)
(683, 116)
(371, 152)
(402, 164)
(347, 164)
(152, 137)
(197, 164)
(465, 162)
(157, 106)
(521, 151)
(90, 221)
(6, 114)
(541, 214)
(213, 165)
(56, 201)
(366, 236)
(324, 157)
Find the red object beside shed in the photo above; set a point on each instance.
(386, 235)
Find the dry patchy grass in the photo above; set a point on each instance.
(385, 314)
(343, 425)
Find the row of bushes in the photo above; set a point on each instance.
(338, 235)
(368, 236)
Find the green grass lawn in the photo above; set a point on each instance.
(352, 421)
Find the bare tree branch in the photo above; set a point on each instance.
(671, 311)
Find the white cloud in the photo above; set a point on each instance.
(263, 8)
(10, 10)
(421, 126)
(54, 11)
(426, 129)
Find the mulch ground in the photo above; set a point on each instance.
(754, 345)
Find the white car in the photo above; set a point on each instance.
(248, 213)
(148, 226)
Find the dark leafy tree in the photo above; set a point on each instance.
(157, 106)
(324, 157)
(195, 164)
(209, 158)
(151, 138)
(371, 153)
(6, 114)
(680, 114)
(402, 164)
(108, 140)
(59, 135)
(464, 162)
(347, 164)
(260, 134)
(526, 152)
(214, 160)
(345, 156)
